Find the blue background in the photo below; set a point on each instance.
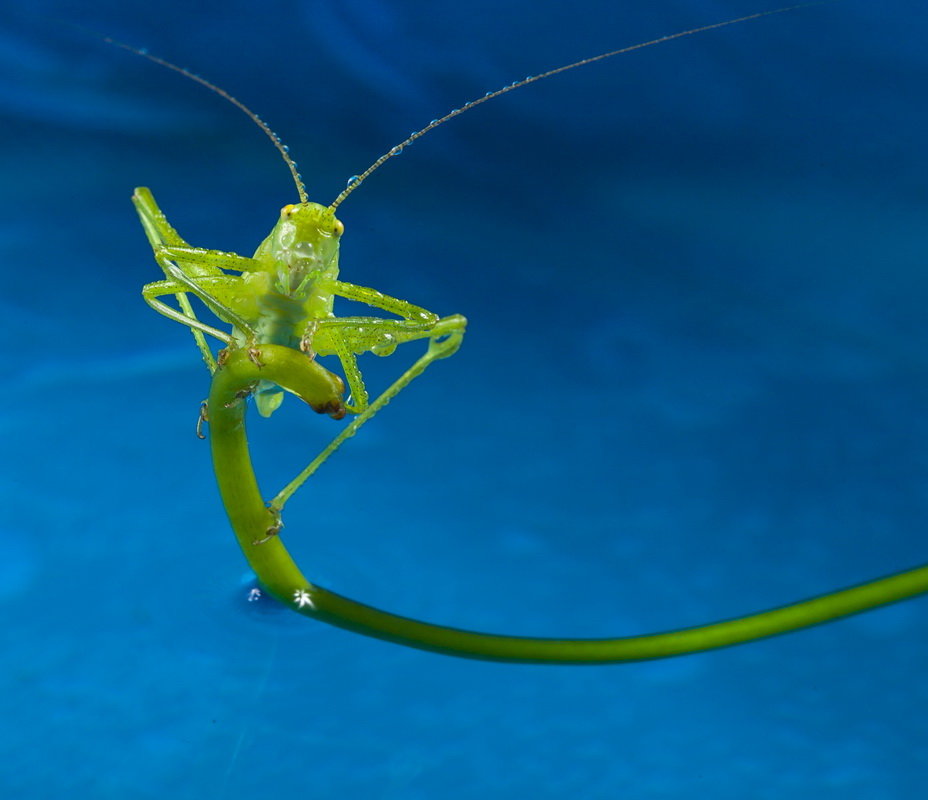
(693, 386)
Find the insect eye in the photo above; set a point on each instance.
(287, 210)
(338, 229)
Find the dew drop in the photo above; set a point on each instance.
(396, 150)
(353, 180)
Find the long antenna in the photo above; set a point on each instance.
(281, 147)
(355, 181)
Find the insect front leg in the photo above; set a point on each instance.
(375, 299)
(216, 292)
(348, 336)
(152, 291)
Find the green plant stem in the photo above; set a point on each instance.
(253, 522)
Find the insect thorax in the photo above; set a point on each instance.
(297, 262)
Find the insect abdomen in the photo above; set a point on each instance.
(282, 320)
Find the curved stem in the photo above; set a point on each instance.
(253, 522)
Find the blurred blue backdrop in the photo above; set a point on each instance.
(693, 386)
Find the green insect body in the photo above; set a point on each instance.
(284, 294)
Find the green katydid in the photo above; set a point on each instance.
(284, 293)
(280, 306)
